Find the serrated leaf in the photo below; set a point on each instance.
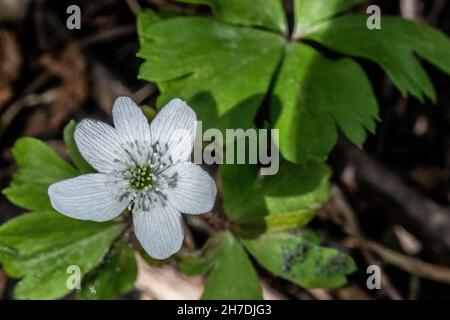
(38, 167)
(309, 13)
(226, 71)
(114, 277)
(212, 65)
(288, 199)
(262, 13)
(232, 275)
(74, 153)
(299, 258)
(393, 48)
(47, 243)
(313, 97)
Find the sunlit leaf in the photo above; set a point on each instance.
(308, 13)
(394, 48)
(313, 97)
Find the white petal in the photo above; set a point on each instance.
(130, 122)
(159, 230)
(174, 127)
(87, 197)
(194, 191)
(99, 145)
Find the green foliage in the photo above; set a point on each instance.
(309, 13)
(232, 275)
(315, 96)
(214, 66)
(393, 48)
(114, 277)
(47, 243)
(231, 68)
(39, 247)
(38, 167)
(300, 259)
(74, 154)
(261, 13)
(286, 200)
(225, 70)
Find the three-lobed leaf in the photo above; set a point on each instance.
(225, 71)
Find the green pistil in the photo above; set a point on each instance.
(140, 177)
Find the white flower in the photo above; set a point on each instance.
(143, 167)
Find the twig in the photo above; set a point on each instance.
(28, 101)
(143, 93)
(351, 227)
(426, 218)
(411, 265)
(134, 6)
(107, 35)
(319, 294)
(410, 9)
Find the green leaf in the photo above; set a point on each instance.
(144, 20)
(393, 48)
(313, 97)
(202, 262)
(6, 252)
(262, 13)
(232, 275)
(74, 153)
(38, 167)
(48, 243)
(212, 65)
(114, 277)
(308, 13)
(299, 258)
(288, 199)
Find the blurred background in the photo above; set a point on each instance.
(393, 196)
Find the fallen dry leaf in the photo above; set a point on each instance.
(10, 64)
(70, 68)
(13, 10)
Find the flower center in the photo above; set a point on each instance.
(140, 177)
